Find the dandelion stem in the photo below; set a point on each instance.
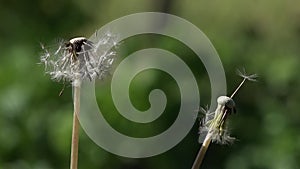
(202, 152)
(75, 129)
(241, 84)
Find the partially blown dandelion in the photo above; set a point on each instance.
(80, 58)
(213, 125)
(76, 60)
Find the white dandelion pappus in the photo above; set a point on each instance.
(214, 123)
(80, 58)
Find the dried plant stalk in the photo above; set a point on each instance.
(201, 153)
(75, 129)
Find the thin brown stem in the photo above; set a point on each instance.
(202, 152)
(75, 129)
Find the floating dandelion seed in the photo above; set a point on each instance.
(243, 74)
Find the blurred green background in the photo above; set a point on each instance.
(262, 36)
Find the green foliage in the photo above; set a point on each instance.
(262, 36)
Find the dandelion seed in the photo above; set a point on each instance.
(243, 74)
(245, 77)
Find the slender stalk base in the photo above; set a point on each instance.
(75, 129)
(202, 152)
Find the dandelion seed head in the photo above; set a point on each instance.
(80, 58)
(214, 124)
